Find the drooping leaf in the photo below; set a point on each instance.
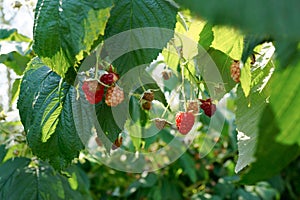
(249, 109)
(15, 61)
(285, 101)
(271, 155)
(129, 40)
(15, 90)
(250, 42)
(65, 30)
(45, 107)
(20, 180)
(278, 127)
(214, 67)
(12, 35)
(248, 114)
(267, 18)
(206, 36)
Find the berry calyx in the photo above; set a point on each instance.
(114, 96)
(160, 123)
(193, 107)
(208, 107)
(184, 122)
(148, 96)
(146, 105)
(93, 91)
(166, 74)
(235, 71)
(117, 143)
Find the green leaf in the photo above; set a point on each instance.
(19, 180)
(15, 61)
(287, 52)
(228, 40)
(138, 46)
(246, 79)
(248, 113)
(3, 152)
(111, 122)
(219, 86)
(188, 165)
(249, 109)
(274, 18)
(250, 42)
(278, 127)
(65, 30)
(45, 107)
(12, 35)
(15, 90)
(206, 36)
(271, 156)
(285, 99)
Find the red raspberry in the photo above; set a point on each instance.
(208, 107)
(109, 78)
(93, 91)
(193, 107)
(235, 71)
(184, 122)
(114, 96)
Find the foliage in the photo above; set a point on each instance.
(75, 41)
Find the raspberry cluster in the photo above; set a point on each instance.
(208, 107)
(94, 89)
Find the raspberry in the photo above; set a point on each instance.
(148, 96)
(114, 96)
(184, 122)
(160, 123)
(117, 143)
(235, 71)
(109, 78)
(93, 91)
(208, 107)
(193, 107)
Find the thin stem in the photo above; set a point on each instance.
(97, 62)
(171, 99)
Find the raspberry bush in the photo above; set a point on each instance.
(134, 79)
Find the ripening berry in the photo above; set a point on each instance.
(114, 96)
(235, 71)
